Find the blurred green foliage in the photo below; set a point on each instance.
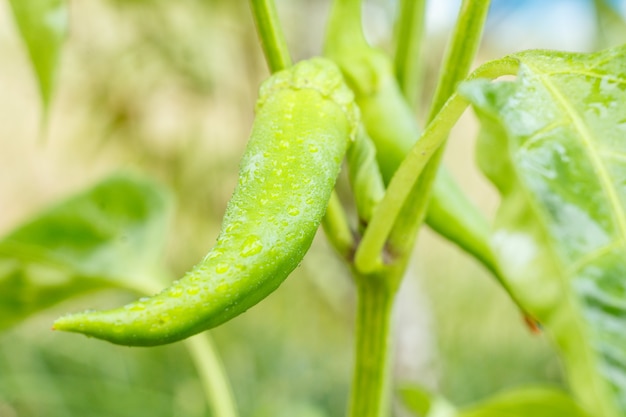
(168, 89)
(109, 236)
(43, 26)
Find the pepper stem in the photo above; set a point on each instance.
(271, 34)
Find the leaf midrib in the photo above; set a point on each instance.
(618, 211)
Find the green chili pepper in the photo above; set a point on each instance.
(304, 123)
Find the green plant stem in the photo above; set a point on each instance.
(408, 38)
(469, 233)
(365, 178)
(368, 255)
(403, 183)
(371, 379)
(345, 30)
(212, 375)
(450, 213)
(459, 56)
(336, 228)
(457, 62)
(460, 52)
(271, 34)
(470, 230)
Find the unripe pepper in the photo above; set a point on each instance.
(305, 120)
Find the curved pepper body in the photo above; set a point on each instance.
(305, 119)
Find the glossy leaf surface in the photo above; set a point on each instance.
(43, 27)
(526, 402)
(111, 235)
(554, 144)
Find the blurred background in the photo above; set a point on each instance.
(168, 89)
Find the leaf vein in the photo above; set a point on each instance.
(594, 156)
(537, 136)
(612, 154)
(594, 255)
(600, 76)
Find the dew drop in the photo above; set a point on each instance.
(313, 149)
(293, 211)
(176, 292)
(251, 246)
(222, 268)
(136, 307)
(214, 254)
(232, 227)
(193, 290)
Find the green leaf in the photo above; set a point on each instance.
(553, 143)
(111, 235)
(43, 26)
(527, 402)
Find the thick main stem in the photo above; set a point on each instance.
(371, 378)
